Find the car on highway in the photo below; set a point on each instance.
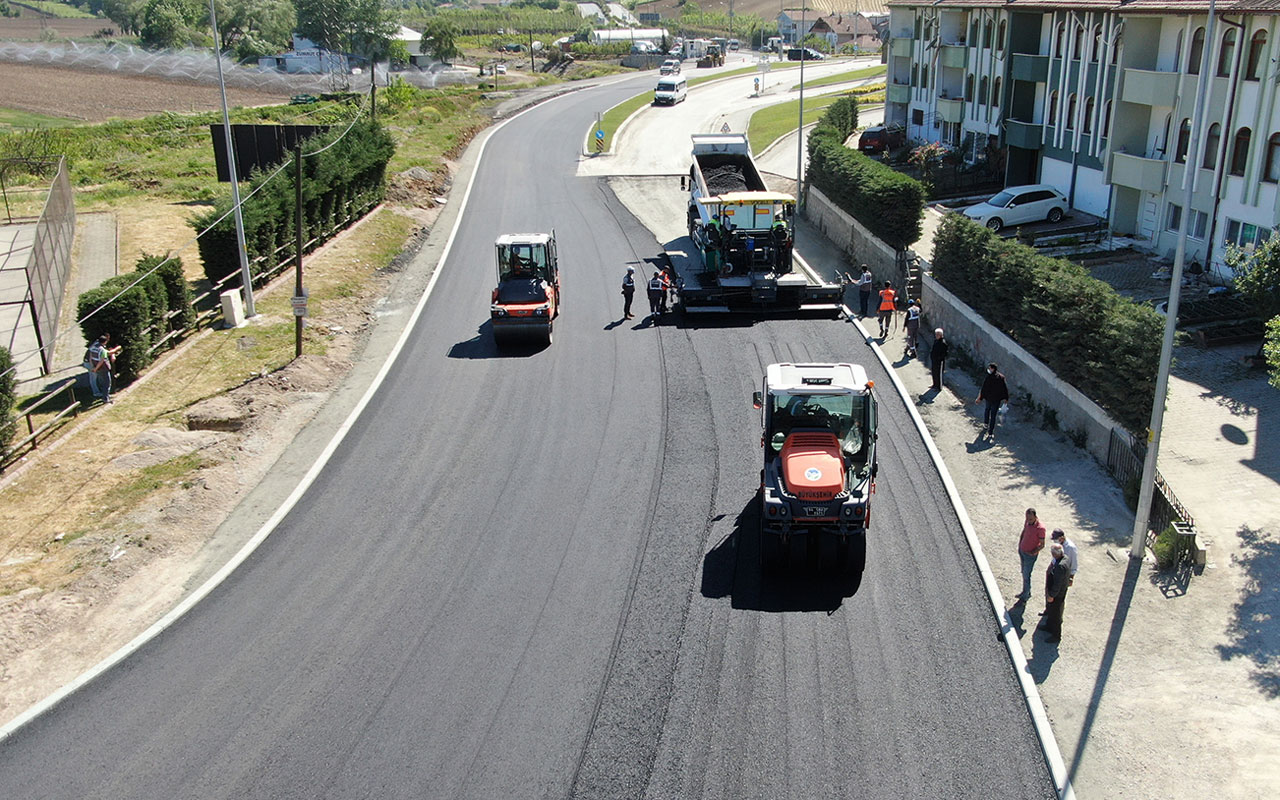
(670, 67)
(879, 138)
(793, 54)
(1020, 204)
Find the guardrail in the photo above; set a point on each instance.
(31, 441)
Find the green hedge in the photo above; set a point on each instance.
(1105, 345)
(345, 179)
(8, 424)
(887, 202)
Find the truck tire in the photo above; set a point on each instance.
(852, 558)
(548, 334)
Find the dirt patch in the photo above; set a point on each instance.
(155, 227)
(99, 96)
(33, 27)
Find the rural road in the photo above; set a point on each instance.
(532, 575)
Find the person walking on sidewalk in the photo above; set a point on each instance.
(864, 291)
(995, 393)
(1057, 579)
(1030, 543)
(913, 327)
(938, 358)
(628, 292)
(888, 302)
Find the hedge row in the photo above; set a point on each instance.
(1105, 345)
(337, 183)
(8, 424)
(139, 318)
(887, 202)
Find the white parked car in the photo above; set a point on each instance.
(1019, 204)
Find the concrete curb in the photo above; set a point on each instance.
(1035, 706)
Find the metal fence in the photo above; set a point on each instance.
(50, 262)
(1125, 456)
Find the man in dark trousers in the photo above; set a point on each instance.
(628, 291)
(657, 288)
(864, 290)
(1056, 581)
(995, 393)
(938, 358)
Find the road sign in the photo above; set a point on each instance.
(599, 134)
(299, 303)
(599, 141)
(724, 128)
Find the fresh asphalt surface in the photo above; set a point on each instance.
(532, 575)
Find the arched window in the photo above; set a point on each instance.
(1077, 43)
(968, 88)
(1177, 53)
(995, 94)
(987, 33)
(1097, 44)
(915, 75)
(1197, 52)
(1000, 36)
(1240, 151)
(924, 77)
(983, 97)
(1256, 45)
(1088, 116)
(1211, 146)
(918, 27)
(973, 33)
(1115, 51)
(1164, 142)
(1227, 53)
(1053, 108)
(1184, 142)
(1070, 122)
(1106, 121)
(1272, 172)
(1057, 40)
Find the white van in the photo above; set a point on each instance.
(671, 89)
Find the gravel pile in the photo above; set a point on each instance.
(725, 179)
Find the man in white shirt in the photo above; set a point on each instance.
(1069, 550)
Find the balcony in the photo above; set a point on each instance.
(1027, 135)
(1138, 172)
(1151, 88)
(951, 110)
(898, 93)
(953, 55)
(1030, 68)
(900, 47)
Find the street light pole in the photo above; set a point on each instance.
(1138, 547)
(245, 278)
(800, 121)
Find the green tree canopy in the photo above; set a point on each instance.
(353, 26)
(440, 40)
(268, 23)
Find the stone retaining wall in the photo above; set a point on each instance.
(853, 238)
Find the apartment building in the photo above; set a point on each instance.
(1097, 98)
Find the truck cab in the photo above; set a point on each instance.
(526, 300)
(819, 441)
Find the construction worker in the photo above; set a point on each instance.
(781, 245)
(657, 288)
(887, 299)
(666, 289)
(628, 291)
(715, 242)
(913, 327)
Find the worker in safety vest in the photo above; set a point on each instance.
(657, 288)
(887, 299)
(715, 241)
(781, 245)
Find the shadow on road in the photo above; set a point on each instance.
(482, 346)
(732, 569)
(1043, 656)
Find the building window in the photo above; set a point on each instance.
(1256, 45)
(968, 88)
(1115, 51)
(1097, 44)
(1245, 234)
(1106, 121)
(1070, 122)
(928, 29)
(987, 33)
(1271, 173)
(917, 116)
(973, 33)
(1197, 52)
(995, 94)
(1211, 146)
(1000, 36)
(1077, 43)
(917, 27)
(1057, 39)
(1227, 53)
(1240, 151)
(1184, 142)
(1088, 116)
(1053, 108)
(983, 97)
(915, 75)
(1177, 53)
(924, 78)
(1198, 224)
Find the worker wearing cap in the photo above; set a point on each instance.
(628, 291)
(781, 245)
(657, 288)
(715, 241)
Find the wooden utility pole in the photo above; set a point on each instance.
(299, 313)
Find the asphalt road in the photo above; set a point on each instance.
(525, 576)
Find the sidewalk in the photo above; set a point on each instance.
(1163, 685)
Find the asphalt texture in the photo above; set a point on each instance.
(532, 574)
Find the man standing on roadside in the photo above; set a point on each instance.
(1056, 580)
(888, 304)
(102, 358)
(995, 393)
(1059, 537)
(938, 358)
(628, 292)
(864, 290)
(1030, 543)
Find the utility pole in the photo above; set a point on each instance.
(245, 278)
(297, 251)
(800, 121)
(1138, 547)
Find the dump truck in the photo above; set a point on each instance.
(742, 235)
(526, 301)
(819, 440)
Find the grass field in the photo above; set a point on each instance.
(11, 118)
(59, 10)
(768, 124)
(844, 77)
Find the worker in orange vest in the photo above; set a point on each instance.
(887, 297)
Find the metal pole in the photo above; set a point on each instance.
(800, 121)
(297, 249)
(1138, 547)
(245, 278)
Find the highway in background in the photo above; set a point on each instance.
(533, 575)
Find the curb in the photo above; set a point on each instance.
(1030, 695)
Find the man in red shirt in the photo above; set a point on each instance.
(1029, 546)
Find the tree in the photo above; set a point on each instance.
(269, 23)
(169, 23)
(128, 14)
(353, 26)
(440, 39)
(1258, 280)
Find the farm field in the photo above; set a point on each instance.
(31, 27)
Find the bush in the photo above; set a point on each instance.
(177, 292)
(1166, 547)
(1101, 343)
(126, 318)
(887, 202)
(8, 424)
